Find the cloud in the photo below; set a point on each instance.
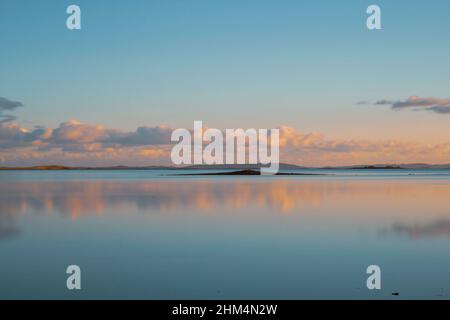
(14, 136)
(75, 135)
(76, 143)
(141, 137)
(8, 105)
(314, 149)
(153, 152)
(76, 132)
(440, 109)
(437, 105)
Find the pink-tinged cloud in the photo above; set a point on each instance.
(74, 135)
(76, 143)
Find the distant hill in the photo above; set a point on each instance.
(411, 166)
(56, 167)
(50, 167)
(122, 167)
(384, 167)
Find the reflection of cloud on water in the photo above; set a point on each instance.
(328, 200)
(7, 227)
(76, 198)
(81, 198)
(418, 231)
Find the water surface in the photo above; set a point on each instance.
(155, 235)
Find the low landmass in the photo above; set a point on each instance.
(382, 167)
(237, 167)
(57, 167)
(247, 173)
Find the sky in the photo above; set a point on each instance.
(340, 93)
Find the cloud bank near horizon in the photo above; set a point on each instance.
(77, 143)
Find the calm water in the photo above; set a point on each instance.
(153, 235)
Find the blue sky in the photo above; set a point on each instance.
(229, 63)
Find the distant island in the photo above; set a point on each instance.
(237, 167)
(247, 173)
(384, 167)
